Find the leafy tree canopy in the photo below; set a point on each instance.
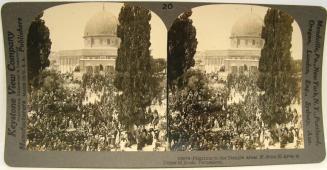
(38, 48)
(134, 79)
(182, 45)
(277, 78)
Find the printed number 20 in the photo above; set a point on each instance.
(167, 6)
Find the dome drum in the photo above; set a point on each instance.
(101, 41)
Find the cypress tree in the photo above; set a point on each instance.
(182, 45)
(134, 74)
(38, 48)
(277, 78)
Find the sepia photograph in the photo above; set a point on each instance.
(96, 79)
(100, 84)
(234, 79)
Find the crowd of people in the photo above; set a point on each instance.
(190, 134)
(69, 115)
(74, 117)
(88, 132)
(205, 133)
(235, 126)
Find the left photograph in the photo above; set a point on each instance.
(97, 79)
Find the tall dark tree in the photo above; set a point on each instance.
(134, 78)
(38, 48)
(182, 45)
(277, 78)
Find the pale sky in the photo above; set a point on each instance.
(214, 24)
(67, 22)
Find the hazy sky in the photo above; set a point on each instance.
(214, 24)
(67, 22)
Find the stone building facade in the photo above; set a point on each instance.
(100, 47)
(244, 52)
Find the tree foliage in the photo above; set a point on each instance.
(195, 97)
(54, 97)
(277, 78)
(134, 78)
(190, 106)
(38, 48)
(59, 100)
(182, 45)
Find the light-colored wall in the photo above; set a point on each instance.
(247, 42)
(101, 41)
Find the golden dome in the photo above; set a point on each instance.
(102, 23)
(249, 25)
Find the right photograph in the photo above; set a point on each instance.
(234, 79)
